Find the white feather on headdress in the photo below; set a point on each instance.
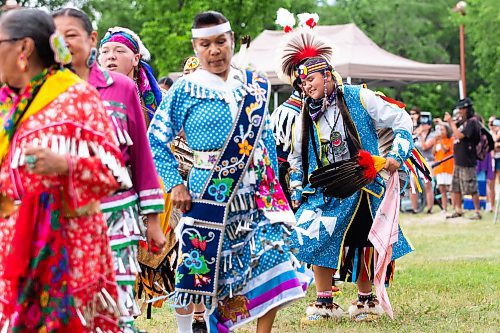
(284, 18)
(146, 55)
(298, 45)
(308, 20)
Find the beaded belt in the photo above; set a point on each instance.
(205, 159)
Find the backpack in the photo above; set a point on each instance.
(485, 144)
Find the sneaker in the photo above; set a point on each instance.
(476, 216)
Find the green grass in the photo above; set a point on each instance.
(449, 284)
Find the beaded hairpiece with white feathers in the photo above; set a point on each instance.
(300, 44)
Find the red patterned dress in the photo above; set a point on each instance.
(68, 125)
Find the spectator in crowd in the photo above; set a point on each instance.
(165, 83)
(466, 133)
(424, 139)
(415, 116)
(495, 131)
(486, 172)
(494, 126)
(443, 149)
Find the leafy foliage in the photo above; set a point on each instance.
(171, 24)
(418, 30)
(482, 24)
(49, 4)
(425, 31)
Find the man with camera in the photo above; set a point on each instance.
(467, 135)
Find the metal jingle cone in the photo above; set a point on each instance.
(110, 299)
(81, 317)
(22, 158)
(121, 266)
(239, 261)
(5, 327)
(128, 301)
(103, 156)
(135, 226)
(73, 150)
(68, 146)
(131, 262)
(102, 300)
(118, 131)
(62, 146)
(126, 230)
(54, 144)
(44, 143)
(128, 139)
(15, 159)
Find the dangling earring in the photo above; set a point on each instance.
(22, 62)
(92, 57)
(325, 97)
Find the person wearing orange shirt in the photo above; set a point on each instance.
(443, 172)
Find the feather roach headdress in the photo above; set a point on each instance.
(300, 44)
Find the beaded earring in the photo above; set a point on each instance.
(62, 55)
(92, 57)
(22, 63)
(325, 96)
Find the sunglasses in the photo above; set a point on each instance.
(9, 40)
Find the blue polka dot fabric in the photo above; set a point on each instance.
(255, 262)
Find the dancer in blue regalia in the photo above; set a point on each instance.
(337, 120)
(234, 234)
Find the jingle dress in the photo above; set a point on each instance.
(145, 196)
(78, 273)
(250, 255)
(283, 123)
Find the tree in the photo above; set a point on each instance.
(168, 33)
(111, 13)
(418, 30)
(482, 24)
(49, 4)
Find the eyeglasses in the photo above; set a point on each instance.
(413, 113)
(9, 40)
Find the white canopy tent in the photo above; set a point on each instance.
(355, 56)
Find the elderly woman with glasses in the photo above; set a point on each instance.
(58, 159)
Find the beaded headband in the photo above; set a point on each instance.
(302, 71)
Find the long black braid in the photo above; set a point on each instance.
(306, 123)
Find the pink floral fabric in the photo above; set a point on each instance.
(88, 180)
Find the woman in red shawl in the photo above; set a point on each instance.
(58, 158)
